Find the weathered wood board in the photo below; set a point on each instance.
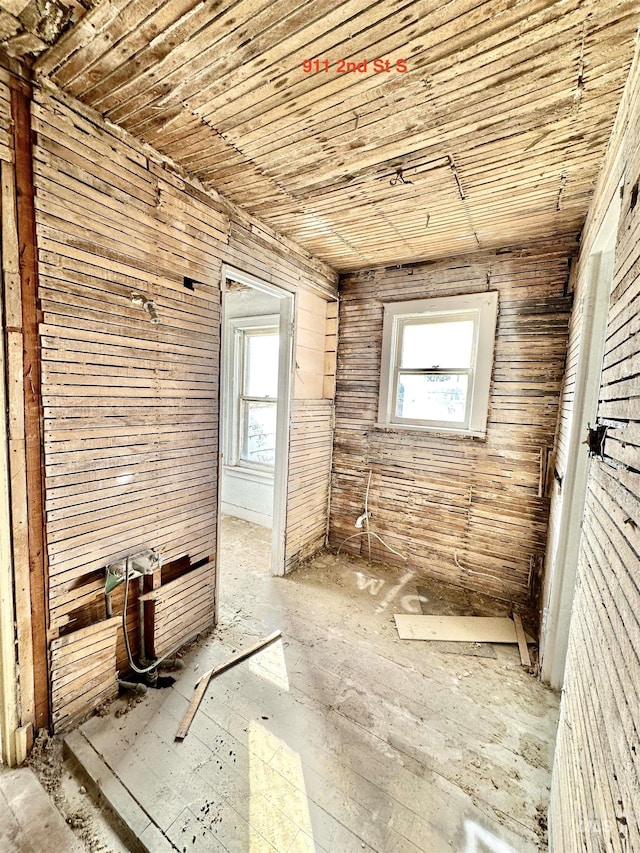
(83, 671)
(457, 629)
(466, 510)
(594, 794)
(181, 609)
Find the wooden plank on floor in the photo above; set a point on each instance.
(522, 640)
(203, 682)
(462, 629)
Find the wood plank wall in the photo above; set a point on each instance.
(181, 608)
(130, 422)
(594, 795)
(13, 551)
(310, 444)
(311, 432)
(83, 671)
(469, 511)
(22, 405)
(131, 408)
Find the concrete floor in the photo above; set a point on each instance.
(341, 737)
(29, 821)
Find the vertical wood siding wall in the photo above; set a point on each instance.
(594, 797)
(131, 408)
(467, 510)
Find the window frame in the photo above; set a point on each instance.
(483, 309)
(243, 328)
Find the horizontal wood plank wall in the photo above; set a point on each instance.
(83, 671)
(131, 408)
(310, 446)
(181, 609)
(594, 795)
(466, 510)
(311, 428)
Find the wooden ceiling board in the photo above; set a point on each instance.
(499, 125)
(368, 118)
(496, 108)
(165, 62)
(353, 91)
(313, 28)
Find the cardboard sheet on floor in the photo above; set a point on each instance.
(461, 629)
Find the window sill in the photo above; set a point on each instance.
(429, 432)
(247, 473)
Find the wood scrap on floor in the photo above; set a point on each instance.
(525, 659)
(467, 629)
(203, 682)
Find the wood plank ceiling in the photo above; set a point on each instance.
(493, 135)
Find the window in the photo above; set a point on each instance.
(437, 356)
(255, 393)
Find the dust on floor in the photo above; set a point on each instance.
(341, 737)
(71, 798)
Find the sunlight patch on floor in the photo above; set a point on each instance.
(271, 665)
(278, 805)
(478, 840)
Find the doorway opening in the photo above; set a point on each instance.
(255, 395)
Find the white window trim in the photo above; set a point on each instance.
(485, 307)
(238, 326)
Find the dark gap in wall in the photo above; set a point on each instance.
(174, 569)
(189, 283)
(82, 617)
(634, 196)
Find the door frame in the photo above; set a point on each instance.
(285, 376)
(562, 580)
(9, 711)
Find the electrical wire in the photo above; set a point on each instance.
(379, 538)
(366, 514)
(368, 532)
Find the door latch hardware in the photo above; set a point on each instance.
(596, 437)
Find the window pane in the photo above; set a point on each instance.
(259, 432)
(432, 397)
(446, 344)
(261, 378)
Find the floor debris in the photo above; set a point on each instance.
(203, 681)
(464, 629)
